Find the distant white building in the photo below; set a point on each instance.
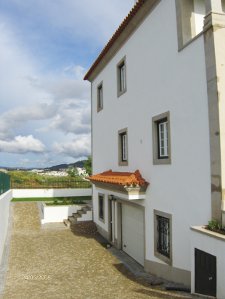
(54, 173)
(158, 111)
(82, 171)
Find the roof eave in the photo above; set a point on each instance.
(130, 25)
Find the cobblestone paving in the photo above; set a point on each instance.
(59, 263)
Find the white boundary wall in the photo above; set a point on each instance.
(26, 193)
(212, 243)
(4, 219)
(51, 214)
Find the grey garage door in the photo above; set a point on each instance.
(133, 232)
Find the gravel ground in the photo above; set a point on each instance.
(55, 262)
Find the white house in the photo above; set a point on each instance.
(158, 140)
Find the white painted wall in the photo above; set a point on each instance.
(212, 245)
(50, 214)
(26, 193)
(4, 219)
(159, 79)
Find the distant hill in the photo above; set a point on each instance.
(79, 164)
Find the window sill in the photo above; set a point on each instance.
(101, 219)
(123, 163)
(99, 109)
(163, 258)
(120, 93)
(183, 46)
(161, 161)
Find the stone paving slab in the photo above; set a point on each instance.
(57, 263)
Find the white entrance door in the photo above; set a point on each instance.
(133, 232)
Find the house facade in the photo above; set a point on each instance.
(158, 137)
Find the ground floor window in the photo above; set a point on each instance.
(162, 235)
(101, 207)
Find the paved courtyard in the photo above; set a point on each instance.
(55, 262)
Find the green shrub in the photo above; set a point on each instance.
(214, 225)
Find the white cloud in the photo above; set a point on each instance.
(76, 148)
(21, 145)
(66, 88)
(13, 119)
(17, 69)
(43, 45)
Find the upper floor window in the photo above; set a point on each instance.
(121, 77)
(161, 139)
(123, 147)
(190, 19)
(162, 128)
(100, 97)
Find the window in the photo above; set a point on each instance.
(100, 97)
(162, 236)
(121, 77)
(161, 139)
(123, 147)
(190, 20)
(162, 131)
(101, 207)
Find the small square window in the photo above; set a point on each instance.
(100, 97)
(123, 147)
(101, 207)
(161, 139)
(121, 77)
(162, 236)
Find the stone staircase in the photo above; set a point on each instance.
(84, 214)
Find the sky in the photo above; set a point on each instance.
(46, 47)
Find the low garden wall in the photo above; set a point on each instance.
(27, 193)
(5, 199)
(51, 214)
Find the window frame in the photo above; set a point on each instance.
(165, 257)
(123, 147)
(100, 97)
(101, 197)
(157, 141)
(186, 29)
(121, 77)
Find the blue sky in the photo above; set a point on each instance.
(46, 47)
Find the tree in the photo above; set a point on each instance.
(72, 171)
(88, 165)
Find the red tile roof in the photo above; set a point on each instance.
(120, 178)
(116, 35)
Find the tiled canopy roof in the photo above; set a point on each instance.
(120, 178)
(115, 36)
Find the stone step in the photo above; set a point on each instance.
(87, 208)
(67, 223)
(80, 213)
(72, 220)
(75, 215)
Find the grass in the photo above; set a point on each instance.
(28, 179)
(57, 200)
